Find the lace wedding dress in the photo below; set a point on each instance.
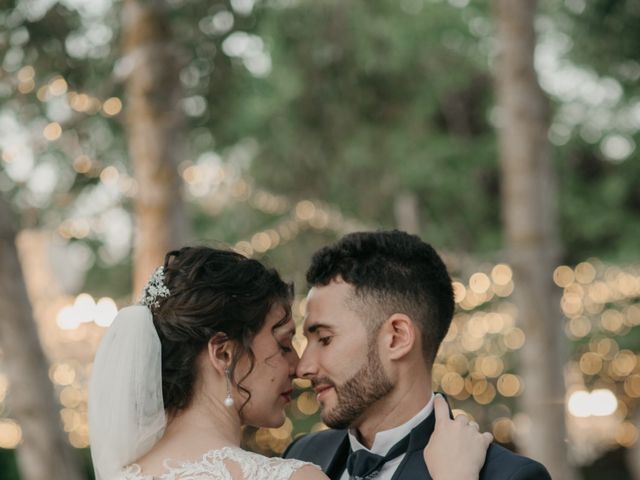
(214, 465)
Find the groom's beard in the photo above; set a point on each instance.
(354, 396)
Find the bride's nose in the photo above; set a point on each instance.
(294, 360)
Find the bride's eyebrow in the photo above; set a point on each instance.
(290, 332)
(283, 322)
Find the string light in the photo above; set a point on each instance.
(52, 131)
(10, 433)
(58, 86)
(82, 164)
(112, 106)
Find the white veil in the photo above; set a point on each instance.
(126, 412)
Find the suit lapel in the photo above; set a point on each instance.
(412, 465)
(336, 461)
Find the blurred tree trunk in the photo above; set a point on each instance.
(532, 239)
(405, 209)
(633, 452)
(44, 452)
(154, 128)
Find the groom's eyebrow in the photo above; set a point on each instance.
(314, 327)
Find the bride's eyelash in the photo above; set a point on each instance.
(325, 340)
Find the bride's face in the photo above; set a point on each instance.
(274, 368)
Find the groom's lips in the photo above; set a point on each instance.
(321, 390)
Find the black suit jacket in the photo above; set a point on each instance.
(329, 449)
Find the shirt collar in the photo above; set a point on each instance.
(386, 439)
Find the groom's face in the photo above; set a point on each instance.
(341, 359)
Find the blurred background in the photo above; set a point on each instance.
(504, 133)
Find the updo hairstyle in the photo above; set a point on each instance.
(211, 292)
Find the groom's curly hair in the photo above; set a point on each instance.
(392, 272)
(212, 292)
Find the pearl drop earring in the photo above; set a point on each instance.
(228, 400)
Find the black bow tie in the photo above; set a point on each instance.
(364, 465)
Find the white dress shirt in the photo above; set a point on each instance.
(383, 442)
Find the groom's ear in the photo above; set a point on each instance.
(398, 335)
(220, 352)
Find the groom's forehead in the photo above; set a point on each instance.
(333, 295)
(330, 323)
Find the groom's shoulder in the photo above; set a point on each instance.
(501, 463)
(313, 444)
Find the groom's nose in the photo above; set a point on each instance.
(307, 366)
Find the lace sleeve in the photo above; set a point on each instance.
(131, 472)
(213, 466)
(283, 469)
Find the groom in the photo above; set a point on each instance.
(379, 307)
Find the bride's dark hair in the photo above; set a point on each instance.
(211, 291)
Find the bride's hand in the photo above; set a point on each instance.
(456, 449)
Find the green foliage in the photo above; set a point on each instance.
(600, 205)
(8, 466)
(600, 197)
(368, 100)
(362, 101)
(606, 38)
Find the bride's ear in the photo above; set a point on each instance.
(220, 352)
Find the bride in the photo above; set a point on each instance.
(208, 350)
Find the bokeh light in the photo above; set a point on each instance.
(10, 433)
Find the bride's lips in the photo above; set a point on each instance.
(287, 395)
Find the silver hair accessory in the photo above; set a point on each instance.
(154, 289)
(228, 400)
